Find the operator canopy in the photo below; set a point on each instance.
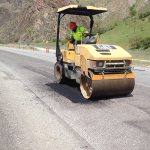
(81, 10)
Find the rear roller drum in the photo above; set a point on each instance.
(58, 73)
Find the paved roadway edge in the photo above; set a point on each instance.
(52, 51)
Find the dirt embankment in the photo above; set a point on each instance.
(35, 20)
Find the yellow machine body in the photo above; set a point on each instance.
(103, 83)
(84, 53)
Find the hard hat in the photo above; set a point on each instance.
(72, 25)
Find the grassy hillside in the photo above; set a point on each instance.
(131, 31)
(127, 31)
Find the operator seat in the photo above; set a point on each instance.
(90, 39)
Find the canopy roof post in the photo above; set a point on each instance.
(91, 23)
(58, 52)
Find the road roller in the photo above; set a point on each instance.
(102, 70)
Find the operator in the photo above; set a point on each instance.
(77, 33)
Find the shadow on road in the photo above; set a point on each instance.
(71, 91)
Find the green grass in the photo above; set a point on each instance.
(125, 31)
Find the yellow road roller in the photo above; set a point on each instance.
(101, 70)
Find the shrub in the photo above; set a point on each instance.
(144, 15)
(132, 11)
(53, 40)
(138, 42)
(149, 19)
(135, 42)
(145, 43)
(143, 19)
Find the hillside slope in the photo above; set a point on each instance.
(131, 31)
(35, 20)
(32, 20)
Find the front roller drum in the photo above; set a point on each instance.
(106, 87)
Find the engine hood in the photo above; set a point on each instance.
(103, 52)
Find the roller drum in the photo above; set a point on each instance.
(106, 87)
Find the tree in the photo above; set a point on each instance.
(133, 13)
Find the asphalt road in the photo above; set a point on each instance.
(38, 114)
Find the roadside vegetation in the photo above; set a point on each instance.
(132, 33)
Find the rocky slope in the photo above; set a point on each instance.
(35, 20)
